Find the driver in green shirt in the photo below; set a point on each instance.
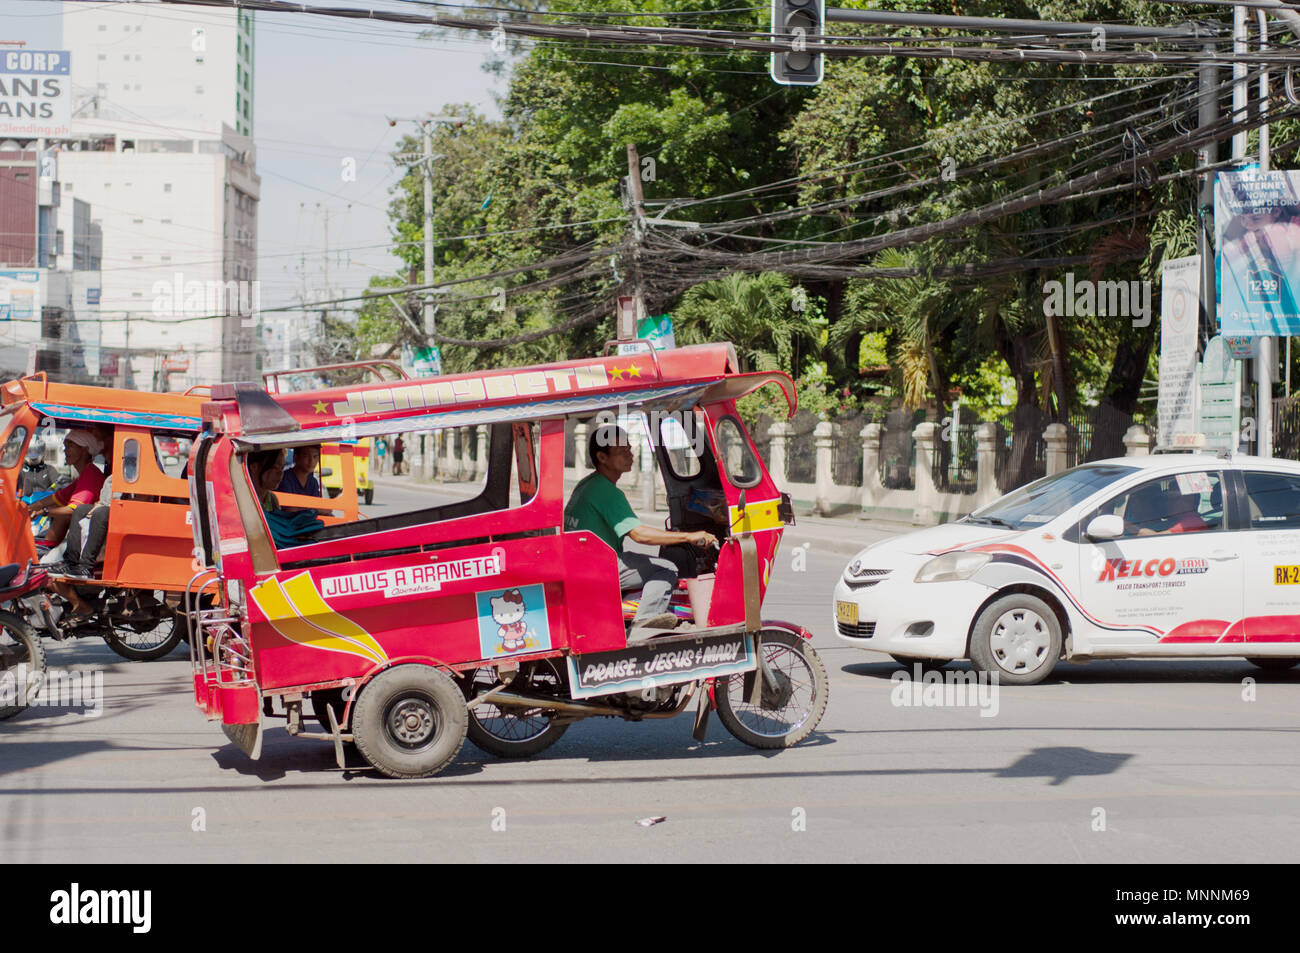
(599, 506)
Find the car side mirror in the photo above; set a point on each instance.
(1105, 527)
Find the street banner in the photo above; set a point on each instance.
(35, 93)
(658, 330)
(422, 361)
(1180, 303)
(1257, 232)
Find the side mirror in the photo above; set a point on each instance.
(326, 471)
(1105, 527)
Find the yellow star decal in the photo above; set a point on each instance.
(618, 372)
(634, 370)
(319, 407)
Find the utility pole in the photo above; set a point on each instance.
(428, 233)
(427, 158)
(1208, 154)
(626, 324)
(1264, 359)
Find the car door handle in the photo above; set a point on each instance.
(1224, 557)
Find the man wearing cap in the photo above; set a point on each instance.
(79, 450)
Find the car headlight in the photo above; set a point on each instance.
(952, 566)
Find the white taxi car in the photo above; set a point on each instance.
(1165, 556)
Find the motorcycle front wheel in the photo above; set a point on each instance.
(791, 709)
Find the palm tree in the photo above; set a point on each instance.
(770, 322)
(919, 310)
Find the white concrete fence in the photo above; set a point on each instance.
(924, 504)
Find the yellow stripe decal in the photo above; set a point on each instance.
(759, 515)
(286, 618)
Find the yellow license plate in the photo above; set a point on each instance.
(846, 612)
(1286, 575)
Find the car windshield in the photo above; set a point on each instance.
(1044, 500)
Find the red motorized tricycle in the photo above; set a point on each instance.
(483, 615)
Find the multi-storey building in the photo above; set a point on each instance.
(161, 147)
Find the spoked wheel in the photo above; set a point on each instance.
(791, 708)
(22, 663)
(514, 732)
(144, 627)
(409, 721)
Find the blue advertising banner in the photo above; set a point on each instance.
(1257, 231)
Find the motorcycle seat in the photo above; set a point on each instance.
(9, 573)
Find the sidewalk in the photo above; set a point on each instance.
(844, 535)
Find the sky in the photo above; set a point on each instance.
(324, 90)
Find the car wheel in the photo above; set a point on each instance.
(927, 664)
(1018, 638)
(1274, 664)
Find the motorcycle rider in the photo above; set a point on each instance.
(37, 476)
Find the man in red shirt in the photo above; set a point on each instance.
(79, 450)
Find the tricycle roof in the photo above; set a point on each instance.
(650, 380)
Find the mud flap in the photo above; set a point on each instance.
(701, 717)
(338, 737)
(247, 738)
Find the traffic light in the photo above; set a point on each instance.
(794, 23)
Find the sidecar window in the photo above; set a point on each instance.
(13, 448)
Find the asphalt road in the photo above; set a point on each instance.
(1174, 760)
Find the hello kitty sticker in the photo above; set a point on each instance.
(511, 621)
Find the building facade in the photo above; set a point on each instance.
(161, 149)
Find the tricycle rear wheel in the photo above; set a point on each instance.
(19, 646)
(792, 709)
(409, 721)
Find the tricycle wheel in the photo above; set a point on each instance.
(19, 646)
(511, 732)
(791, 709)
(409, 721)
(369, 495)
(145, 629)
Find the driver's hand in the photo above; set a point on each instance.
(704, 538)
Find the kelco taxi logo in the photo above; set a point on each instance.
(1133, 568)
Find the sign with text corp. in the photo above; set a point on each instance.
(35, 93)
